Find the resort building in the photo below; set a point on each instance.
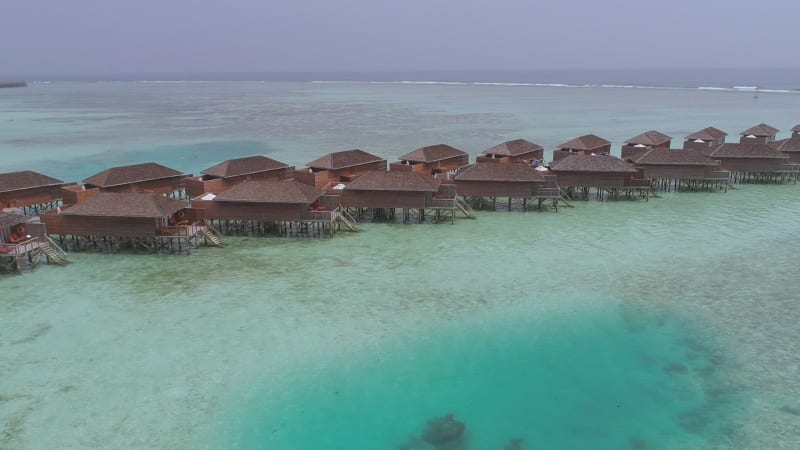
(759, 134)
(31, 191)
(790, 146)
(645, 141)
(680, 169)
(518, 150)
(706, 138)
(382, 193)
(338, 167)
(137, 178)
(577, 174)
(110, 221)
(227, 174)
(23, 241)
(517, 183)
(586, 144)
(439, 158)
(288, 208)
(754, 162)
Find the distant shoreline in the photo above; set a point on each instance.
(13, 84)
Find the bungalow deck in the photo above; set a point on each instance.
(23, 242)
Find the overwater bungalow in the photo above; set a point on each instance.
(644, 142)
(287, 208)
(339, 167)
(137, 178)
(759, 134)
(227, 174)
(577, 174)
(382, 193)
(515, 151)
(754, 163)
(432, 159)
(681, 169)
(589, 143)
(31, 191)
(517, 183)
(110, 221)
(23, 241)
(790, 146)
(705, 138)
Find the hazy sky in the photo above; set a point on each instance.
(120, 36)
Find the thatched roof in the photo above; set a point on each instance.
(513, 148)
(377, 180)
(126, 205)
(9, 219)
(492, 171)
(650, 138)
(587, 142)
(26, 179)
(791, 144)
(737, 150)
(433, 153)
(244, 166)
(663, 156)
(135, 173)
(707, 134)
(261, 191)
(344, 159)
(760, 130)
(591, 163)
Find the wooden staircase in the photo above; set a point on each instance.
(54, 253)
(347, 220)
(212, 236)
(464, 208)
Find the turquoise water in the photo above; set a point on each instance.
(604, 379)
(682, 310)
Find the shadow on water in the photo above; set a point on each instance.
(610, 379)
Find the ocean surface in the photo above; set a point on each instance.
(668, 324)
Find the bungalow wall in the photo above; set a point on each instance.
(515, 189)
(756, 139)
(690, 144)
(162, 186)
(384, 199)
(75, 193)
(100, 226)
(676, 172)
(751, 164)
(609, 180)
(263, 212)
(29, 197)
(444, 165)
(794, 157)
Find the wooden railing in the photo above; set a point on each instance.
(320, 216)
(637, 182)
(440, 203)
(20, 248)
(180, 230)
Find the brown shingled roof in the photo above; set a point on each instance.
(135, 173)
(377, 180)
(760, 130)
(261, 191)
(796, 129)
(126, 205)
(513, 148)
(592, 163)
(432, 153)
(737, 150)
(244, 166)
(587, 142)
(707, 134)
(344, 159)
(26, 179)
(492, 171)
(649, 138)
(791, 144)
(662, 156)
